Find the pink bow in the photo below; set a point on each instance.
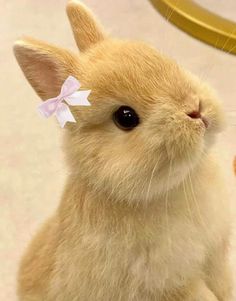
(70, 94)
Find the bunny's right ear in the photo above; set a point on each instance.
(87, 30)
(45, 66)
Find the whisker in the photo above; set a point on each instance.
(187, 202)
(169, 12)
(151, 178)
(228, 39)
(195, 200)
(231, 49)
(166, 207)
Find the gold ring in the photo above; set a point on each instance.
(199, 22)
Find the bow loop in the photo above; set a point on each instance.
(70, 94)
(69, 86)
(48, 107)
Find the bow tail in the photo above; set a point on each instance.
(64, 115)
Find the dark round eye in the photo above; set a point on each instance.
(126, 118)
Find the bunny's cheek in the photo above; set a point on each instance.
(182, 143)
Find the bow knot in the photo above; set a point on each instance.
(70, 94)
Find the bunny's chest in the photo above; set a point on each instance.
(111, 266)
(166, 258)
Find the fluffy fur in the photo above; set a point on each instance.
(144, 215)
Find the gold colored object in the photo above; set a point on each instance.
(200, 23)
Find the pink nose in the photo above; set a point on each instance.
(195, 115)
(198, 115)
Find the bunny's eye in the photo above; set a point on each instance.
(125, 118)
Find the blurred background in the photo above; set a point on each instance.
(32, 171)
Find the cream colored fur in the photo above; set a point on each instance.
(144, 215)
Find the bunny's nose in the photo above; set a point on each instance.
(198, 115)
(195, 114)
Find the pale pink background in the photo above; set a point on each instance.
(31, 163)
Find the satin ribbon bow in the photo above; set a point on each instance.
(70, 94)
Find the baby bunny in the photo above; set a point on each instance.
(144, 215)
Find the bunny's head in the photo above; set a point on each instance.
(150, 122)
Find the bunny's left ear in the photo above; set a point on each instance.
(45, 66)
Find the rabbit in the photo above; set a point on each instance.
(145, 211)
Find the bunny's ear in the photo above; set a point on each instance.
(45, 66)
(87, 30)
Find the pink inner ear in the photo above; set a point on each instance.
(45, 77)
(43, 65)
